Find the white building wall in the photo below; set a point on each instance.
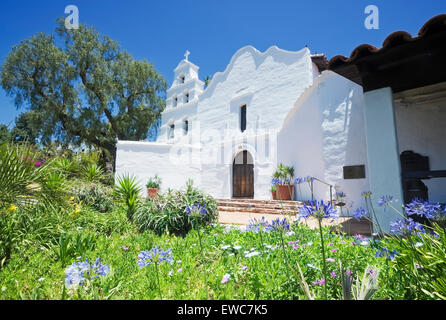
(323, 133)
(145, 159)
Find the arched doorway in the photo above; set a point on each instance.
(243, 175)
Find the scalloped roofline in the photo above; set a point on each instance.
(220, 74)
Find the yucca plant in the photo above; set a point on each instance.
(65, 166)
(128, 190)
(19, 175)
(92, 173)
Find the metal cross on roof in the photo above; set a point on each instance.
(187, 55)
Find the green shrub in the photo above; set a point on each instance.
(167, 212)
(95, 195)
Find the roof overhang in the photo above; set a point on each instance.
(403, 62)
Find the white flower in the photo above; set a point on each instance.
(252, 254)
(312, 266)
(41, 279)
(231, 254)
(418, 244)
(309, 243)
(226, 247)
(170, 273)
(237, 247)
(289, 234)
(364, 243)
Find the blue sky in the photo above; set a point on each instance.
(161, 31)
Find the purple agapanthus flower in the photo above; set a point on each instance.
(422, 208)
(276, 181)
(385, 200)
(196, 210)
(299, 180)
(406, 226)
(319, 210)
(359, 213)
(155, 255)
(309, 179)
(279, 225)
(385, 253)
(78, 272)
(257, 225)
(340, 194)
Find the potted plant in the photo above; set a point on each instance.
(273, 192)
(284, 190)
(153, 185)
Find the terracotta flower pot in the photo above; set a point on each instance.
(152, 192)
(284, 191)
(274, 195)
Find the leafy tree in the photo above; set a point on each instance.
(5, 134)
(28, 127)
(83, 89)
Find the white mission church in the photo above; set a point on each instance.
(285, 107)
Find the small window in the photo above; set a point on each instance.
(182, 79)
(175, 101)
(243, 118)
(186, 98)
(171, 131)
(186, 127)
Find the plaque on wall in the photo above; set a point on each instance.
(354, 172)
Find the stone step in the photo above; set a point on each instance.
(255, 201)
(258, 205)
(255, 210)
(251, 206)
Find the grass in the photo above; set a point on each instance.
(265, 277)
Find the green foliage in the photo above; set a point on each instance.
(65, 166)
(128, 190)
(419, 266)
(70, 246)
(93, 173)
(167, 212)
(19, 176)
(97, 196)
(81, 88)
(5, 134)
(154, 182)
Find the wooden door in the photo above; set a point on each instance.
(243, 179)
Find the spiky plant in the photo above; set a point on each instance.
(20, 177)
(128, 190)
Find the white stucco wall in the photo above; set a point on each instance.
(421, 128)
(325, 132)
(145, 159)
